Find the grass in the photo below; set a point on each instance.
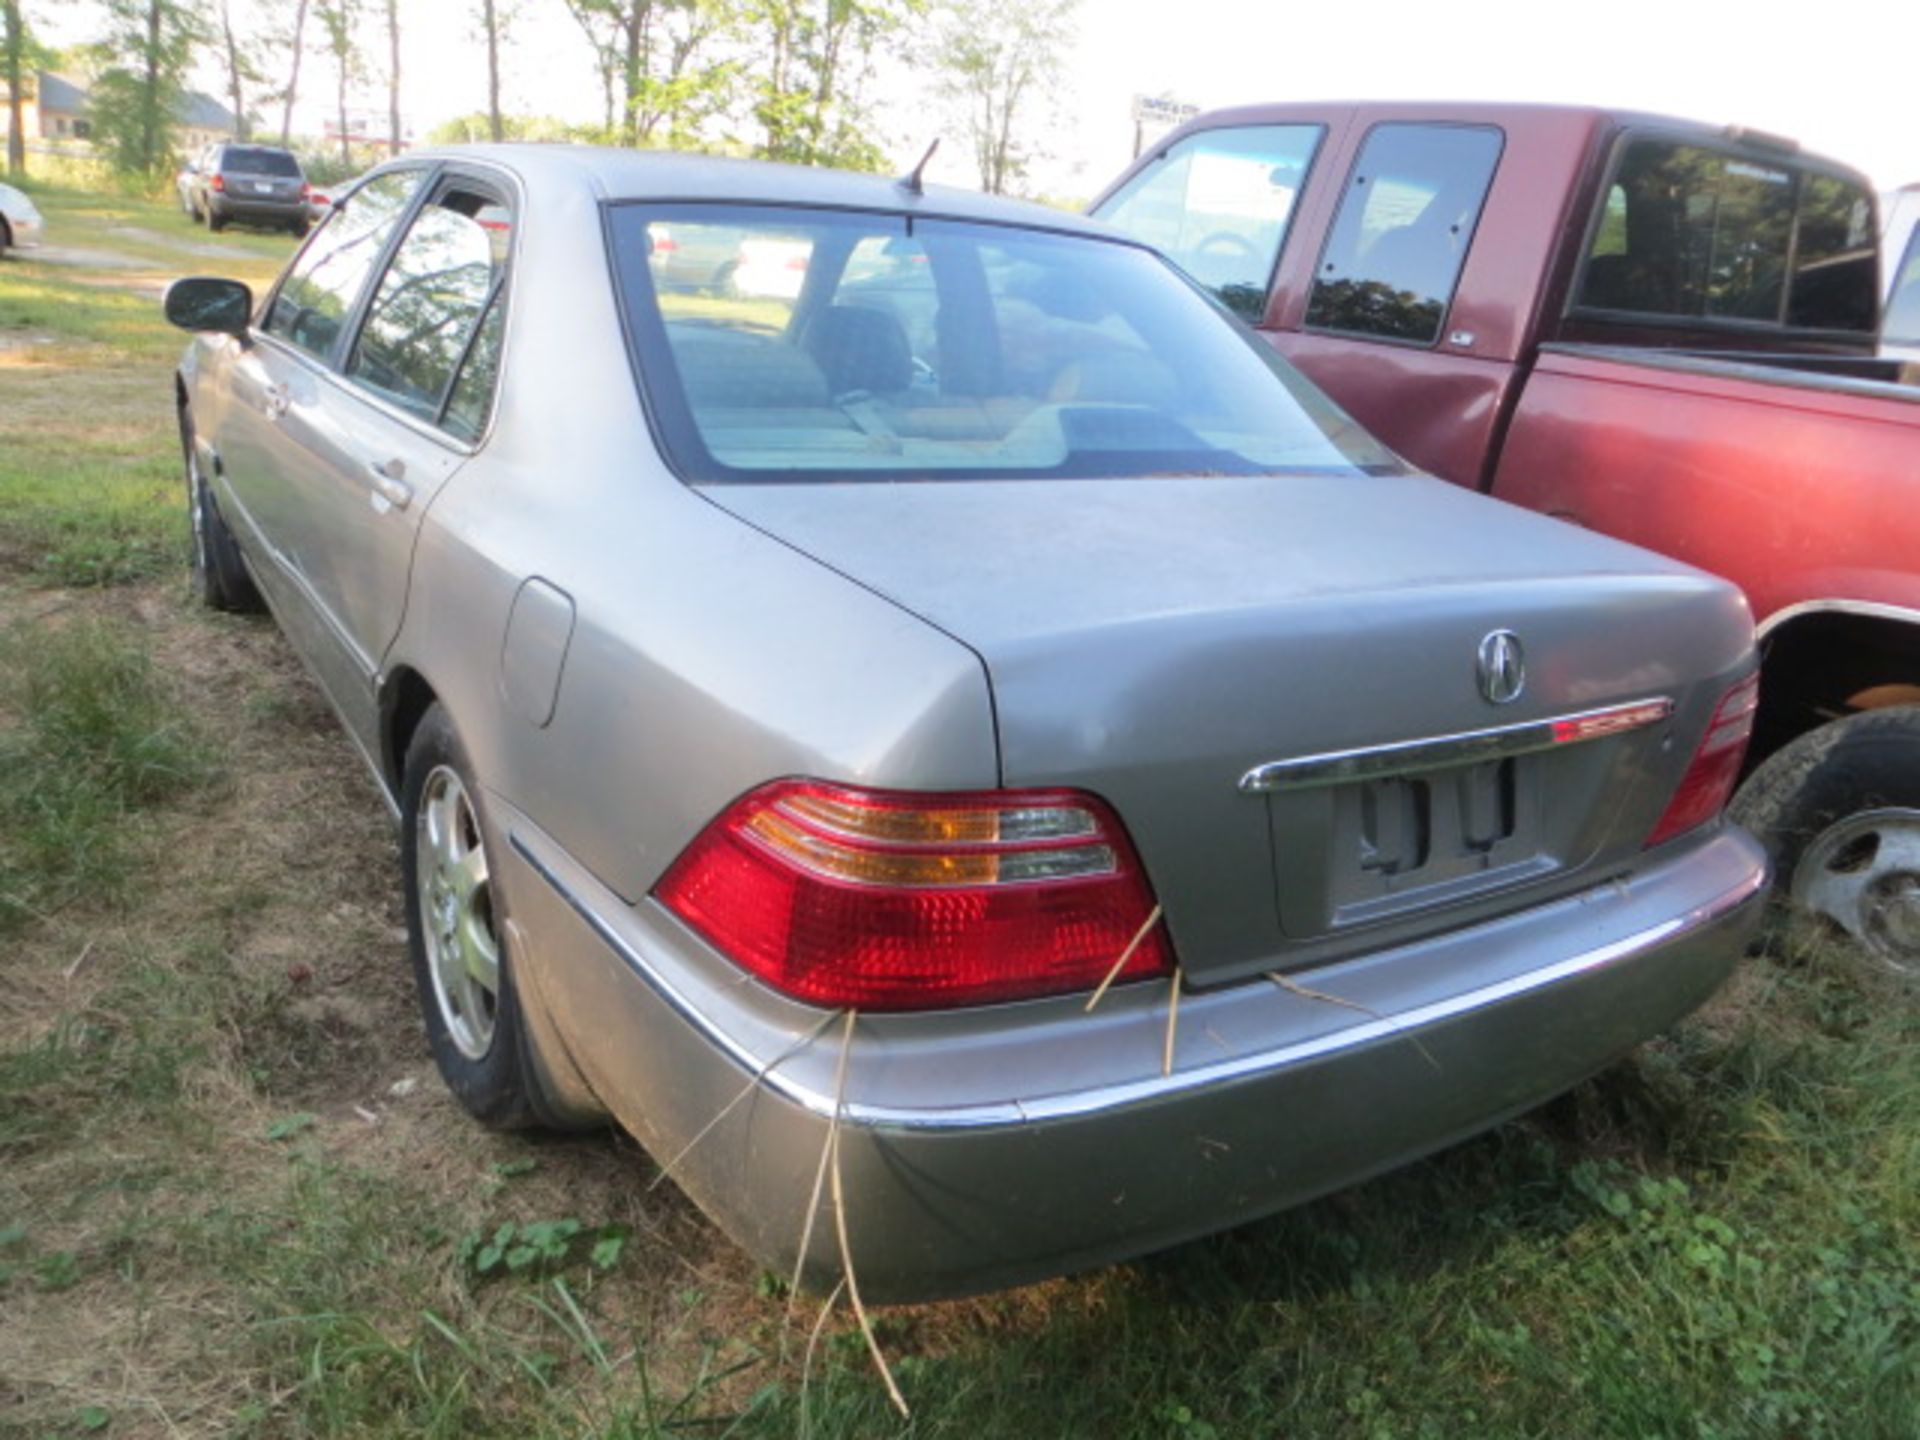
(235, 1201)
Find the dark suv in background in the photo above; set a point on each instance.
(253, 184)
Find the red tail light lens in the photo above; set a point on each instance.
(218, 182)
(892, 900)
(1705, 788)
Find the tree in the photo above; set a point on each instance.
(242, 70)
(337, 19)
(662, 60)
(292, 91)
(495, 17)
(147, 51)
(806, 95)
(998, 64)
(16, 107)
(393, 77)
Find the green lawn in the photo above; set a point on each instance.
(235, 1201)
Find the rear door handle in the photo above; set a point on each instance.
(274, 400)
(388, 481)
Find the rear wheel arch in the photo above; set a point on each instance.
(405, 699)
(1826, 660)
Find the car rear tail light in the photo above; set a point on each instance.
(217, 182)
(306, 192)
(892, 900)
(1705, 788)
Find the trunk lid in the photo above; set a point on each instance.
(1153, 641)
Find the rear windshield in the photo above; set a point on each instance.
(1702, 234)
(253, 160)
(789, 344)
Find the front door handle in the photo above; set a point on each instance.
(389, 482)
(275, 400)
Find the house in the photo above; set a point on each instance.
(54, 117)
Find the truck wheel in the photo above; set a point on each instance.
(1839, 812)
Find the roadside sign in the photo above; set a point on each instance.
(1162, 110)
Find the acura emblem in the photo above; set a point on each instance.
(1503, 668)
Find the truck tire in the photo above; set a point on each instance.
(1839, 812)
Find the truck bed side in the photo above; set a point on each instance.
(1799, 487)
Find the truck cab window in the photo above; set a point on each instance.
(1703, 234)
(1902, 325)
(1395, 251)
(1218, 204)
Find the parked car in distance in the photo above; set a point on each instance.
(793, 726)
(249, 184)
(184, 180)
(1661, 330)
(1900, 252)
(21, 224)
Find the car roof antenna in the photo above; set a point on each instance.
(910, 182)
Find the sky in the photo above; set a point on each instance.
(1841, 81)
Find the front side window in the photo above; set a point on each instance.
(1218, 204)
(327, 277)
(430, 301)
(1694, 233)
(1402, 233)
(1902, 325)
(854, 346)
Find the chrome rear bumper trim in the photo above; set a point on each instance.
(1155, 1087)
(1339, 767)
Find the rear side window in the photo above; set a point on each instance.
(254, 160)
(328, 276)
(430, 301)
(1403, 230)
(1699, 234)
(1218, 205)
(1903, 300)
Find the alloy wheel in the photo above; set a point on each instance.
(455, 897)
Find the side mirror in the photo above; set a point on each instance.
(202, 303)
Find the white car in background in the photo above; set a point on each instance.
(1900, 245)
(20, 223)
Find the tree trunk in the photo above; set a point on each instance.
(150, 106)
(16, 103)
(293, 76)
(631, 22)
(393, 77)
(494, 126)
(241, 130)
(346, 150)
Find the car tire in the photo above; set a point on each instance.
(1838, 810)
(457, 933)
(299, 228)
(6, 239)
(220, 575)
(215, 220)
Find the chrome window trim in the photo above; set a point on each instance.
(1155, 1087)
(1339, 767)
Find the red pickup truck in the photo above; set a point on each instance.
(1655, 328)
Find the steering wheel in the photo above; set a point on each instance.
(1226, 245)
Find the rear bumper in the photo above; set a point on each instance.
(1008, 1144)
(278, 212)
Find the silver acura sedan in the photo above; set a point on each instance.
(802, 703)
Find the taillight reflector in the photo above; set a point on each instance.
(1704, 790)
(218, 182)
(892, 900)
